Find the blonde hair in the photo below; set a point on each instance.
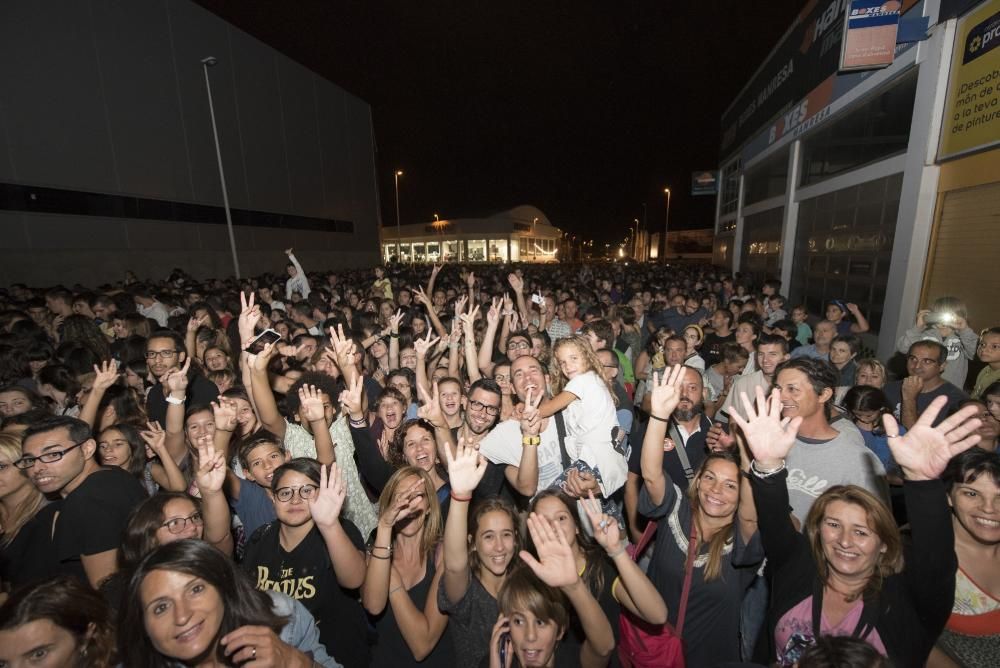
(880, 520)
(433, 525)
(559, 380)
(874, 365)
(10, 447)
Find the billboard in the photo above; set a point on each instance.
(704, 183)
(972, 108)
(870, 35)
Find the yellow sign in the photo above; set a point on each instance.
(972, 110)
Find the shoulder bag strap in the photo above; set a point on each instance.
(647, 536)
(681, 451)
(688, 571)
(561, 430)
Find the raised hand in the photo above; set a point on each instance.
(394, 321)
(512, 321)
(466, 469)
(288, 350)
(769, 437)
(516, 284)
(260, 361)
(421, 296)
(421, 346)
(531, 420)
(460, 303)
(666, 391)
(924, 451)
(431, 408)
(500, 643)
(469, 319)
(350, 398)
(493, 315)
(470, 280)
(311, 400)
(288, 251)
(211, 471)
(329, 498)
(250, 315)
(155, 439)
(106, 375)
(343, 347)
(607, 533)
(911, 387)
(508, 303)
(224, 411)
(193, 324)
(556, 565)
(176, 380)
(435, 269)
(404, 503)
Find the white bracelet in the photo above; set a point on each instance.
(766, 474)
(175, 401)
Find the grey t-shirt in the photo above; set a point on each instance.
(472, 619)
(814, 465)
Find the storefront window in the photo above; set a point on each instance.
(477, 250)
(515, 250)
(418, 252)
(498, 250)
(433, 252)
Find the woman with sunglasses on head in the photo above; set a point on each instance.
(187, 605)
(313, 555)
(848, 573)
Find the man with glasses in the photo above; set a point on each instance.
(165, 353)
(87, 524)
(911, 396)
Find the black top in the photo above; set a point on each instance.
(911, 607)
(694, 447)
(893, 392)
(711, 348)
(307, 575)
(92, 518)
(30, 555)
(391, 650)
(712, 621)
(200, 392)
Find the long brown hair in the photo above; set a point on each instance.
(722, 537)
(433, 525)
(480, 510)
(880, 520)
(593, 573)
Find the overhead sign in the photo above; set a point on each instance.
(972, 108)
(704, 183)
(870, 34)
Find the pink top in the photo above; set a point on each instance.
(793, 634)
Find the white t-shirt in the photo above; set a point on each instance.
(503, 446)
(589, 422)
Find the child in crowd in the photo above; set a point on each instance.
(800, 317)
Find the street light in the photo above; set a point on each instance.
(635, 239)
(210, 61)
(666, 225)
(399, 230)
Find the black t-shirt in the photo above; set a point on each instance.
(93, 516)
(694, 447)
(30, 555)
(893, 392)
(307, 575)
(200, 392)
(711, 349)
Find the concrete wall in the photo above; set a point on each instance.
(109, 97)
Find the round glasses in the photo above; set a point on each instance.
(178, 524)
(305, 492)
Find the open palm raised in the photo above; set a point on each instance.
(924, 451)
(769, 437)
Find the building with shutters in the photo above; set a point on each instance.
(878, 187)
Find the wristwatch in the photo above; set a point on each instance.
(531, 440)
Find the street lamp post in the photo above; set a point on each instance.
(635, 239)
(207, 62)
(666, 225)
(399, 230)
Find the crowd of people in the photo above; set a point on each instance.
(492, 466)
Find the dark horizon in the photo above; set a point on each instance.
(585, 111)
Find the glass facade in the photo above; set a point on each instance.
(761, 252)
(844, 246)
(767, 179)
(729, 199)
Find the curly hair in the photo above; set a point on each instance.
(582, 346)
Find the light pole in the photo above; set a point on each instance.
(399, 230)
(635, 239)
(207, 62)
(666, 225)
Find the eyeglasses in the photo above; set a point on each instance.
(480, 406)
(305, 492)
(514, 345)
(162, 354)
(178, 524)
(28, 461)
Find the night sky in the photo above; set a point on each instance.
(584, 109)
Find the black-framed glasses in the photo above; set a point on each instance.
(515, 345)
(162, 354)
(27, 461)
(480, 406)
(305, 492)
(178, 524)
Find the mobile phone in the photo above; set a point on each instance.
(537, 299)
(504, 644)
(261, 340)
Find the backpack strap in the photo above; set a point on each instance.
(561, 430)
